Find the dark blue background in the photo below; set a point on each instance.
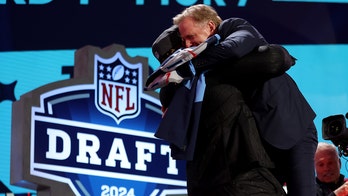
(66, 24)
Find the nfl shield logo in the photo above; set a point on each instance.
(117, 84)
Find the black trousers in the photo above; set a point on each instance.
(295, 166)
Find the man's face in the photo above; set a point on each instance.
(192, 33)
(327, 166)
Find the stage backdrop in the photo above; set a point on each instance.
(38, 39)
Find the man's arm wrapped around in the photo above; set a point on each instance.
(266, 60)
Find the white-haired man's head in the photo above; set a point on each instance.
(327, 163)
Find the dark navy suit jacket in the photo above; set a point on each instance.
(281, 112)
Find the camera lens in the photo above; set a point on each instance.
(335, 128)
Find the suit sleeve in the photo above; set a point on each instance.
(238, 38)
(239, 52)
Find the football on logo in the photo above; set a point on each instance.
(117, 72)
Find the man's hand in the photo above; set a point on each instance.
(184, 55)
(166, 73)
(165, 79)
(178, 58)
(342, 190)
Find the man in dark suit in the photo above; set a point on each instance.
(283, 116)
(285, 122)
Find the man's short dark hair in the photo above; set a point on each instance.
(166, 43)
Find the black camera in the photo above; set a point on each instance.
(334, 129)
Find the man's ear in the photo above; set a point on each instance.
(212, 26)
